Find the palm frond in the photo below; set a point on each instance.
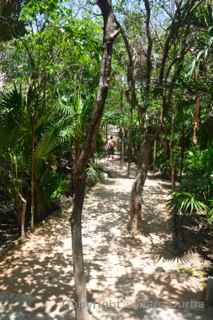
(11, 107)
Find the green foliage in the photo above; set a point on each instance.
(94, 174)
(210, 213)
(195, 195)
(33, 8)
(198, 173)
(200, 162)
(11, 114)
(187, 203)
(54, 185)
(55, 69)
(72, 116)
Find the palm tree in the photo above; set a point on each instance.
(30, 133)
(23, 135)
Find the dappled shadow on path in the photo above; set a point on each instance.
(36, 280)
(132, 278)
(127, 278)
(9, 231)
(197, 236)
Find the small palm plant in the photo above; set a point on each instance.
(27, 134)
(185, 203)
(34, 133)
(195, 192)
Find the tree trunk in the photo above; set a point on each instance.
(41, 201)
(33, 172)
(122, 148)
(182, 152)
(77, 250)
(173, 176)
(79, 176)
(122, 135)
(135, 222)
(23, 208)
(129, 153)
(146, 148)
(154, 154)
(31, 95)
(172, 154)
(135, 214)
(106, 133)
(129, 150)
(196, 120)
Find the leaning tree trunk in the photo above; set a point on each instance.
(134, 224)
(135, 214)
(79, 176)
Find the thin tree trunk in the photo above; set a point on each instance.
(122, 135)
(182, 151)
(106, 133)
(31, 95)
(77, 251)
(154, 154)
(33, 171)
(135, 221)
(196, 120)
(129, 150)
(146, 149)
(23, 208)
(147, 146)
(79, 175)
(135, 214)
(172, 156)
(122, 148)
(173, 176)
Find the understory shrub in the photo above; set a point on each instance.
(195, 193)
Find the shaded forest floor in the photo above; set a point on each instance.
(144, 278)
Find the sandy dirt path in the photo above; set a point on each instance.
(127, 278)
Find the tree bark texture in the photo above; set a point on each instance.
(143, 161)
(23, 208)
(81, 308)
(33, 175)
(196, 120)
(135, 213)
(110, 31)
